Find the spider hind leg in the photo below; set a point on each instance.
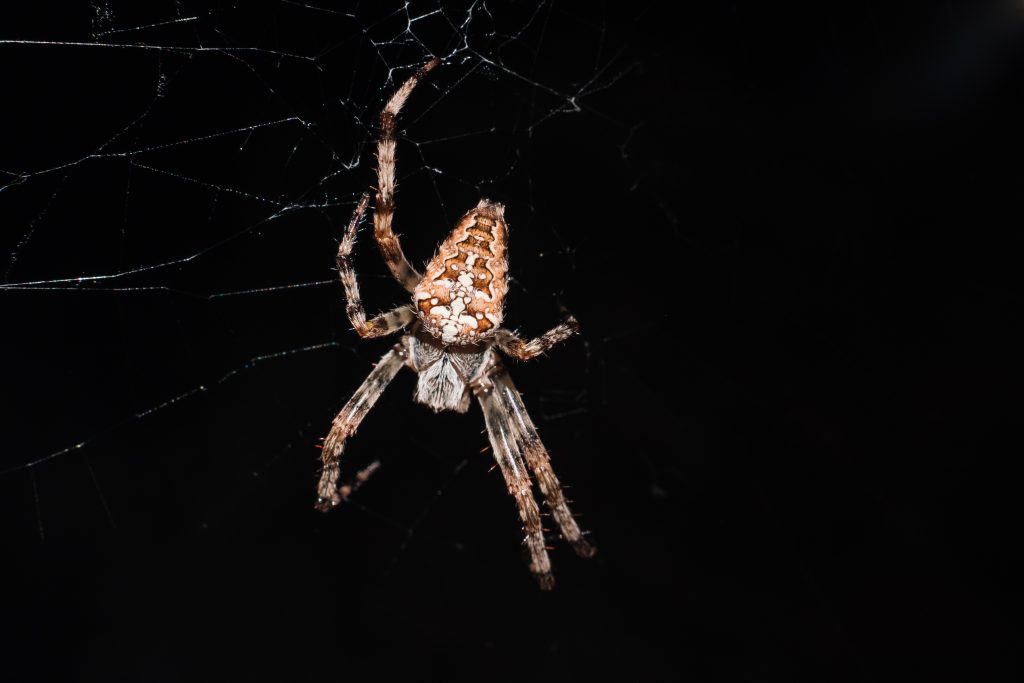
(385, 323)
(387, 241)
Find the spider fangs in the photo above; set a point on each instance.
(453, 346)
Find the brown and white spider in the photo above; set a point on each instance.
(456, 313)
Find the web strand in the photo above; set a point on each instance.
(282, 158)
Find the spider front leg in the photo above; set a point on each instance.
(517, 478)
(520, 349)
(383, 324)
(347, 421)
(537, 458)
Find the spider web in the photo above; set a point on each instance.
(174, 179)
(171, 216)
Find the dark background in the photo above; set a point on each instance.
(790, 236)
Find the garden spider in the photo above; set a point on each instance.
(456, 313)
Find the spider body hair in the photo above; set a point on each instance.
(445, 373)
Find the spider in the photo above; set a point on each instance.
(453, 344)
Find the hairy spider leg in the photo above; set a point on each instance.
(537, 458)
(346, 490)
(383, 324)
(517, 478)
(387, 240)
(347, 421)
(520, 349)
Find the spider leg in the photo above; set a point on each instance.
(387, 240)
(520, 349)
(537, 458)
(383, 324)
(347, 421)
(345, 491)
(517, 478)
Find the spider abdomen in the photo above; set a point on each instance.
(461, 297)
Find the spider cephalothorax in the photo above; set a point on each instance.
(453, 345)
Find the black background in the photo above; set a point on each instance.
(790, 236)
